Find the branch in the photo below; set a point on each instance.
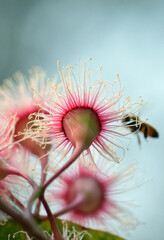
(27, 223)
(54, 226)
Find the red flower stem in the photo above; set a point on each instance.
(44, 161)
(27, 223)
(37, 193)
(15, 200)
(56, 232)
(27, 178)
(77, 202)
(77, 151)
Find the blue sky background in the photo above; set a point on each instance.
(122, 36)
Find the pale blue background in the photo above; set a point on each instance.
(123, 36)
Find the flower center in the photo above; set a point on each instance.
(81, 126)
(92, 192)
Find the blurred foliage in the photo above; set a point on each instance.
(8, 230)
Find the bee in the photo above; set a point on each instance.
(136, 124)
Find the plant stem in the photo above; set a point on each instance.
(27, 178)
(27, 223)
(56, 232)
(77, 151)
(44, 161)
(37, 193)
(15, 200)
(77, 202)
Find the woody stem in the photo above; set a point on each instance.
(27, 223)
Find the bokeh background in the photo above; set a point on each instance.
(122, 36)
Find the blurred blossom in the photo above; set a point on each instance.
(85, 196)
(17, 100)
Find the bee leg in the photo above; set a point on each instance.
(139, 140)
(146, 131)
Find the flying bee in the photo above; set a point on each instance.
(136, 124)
